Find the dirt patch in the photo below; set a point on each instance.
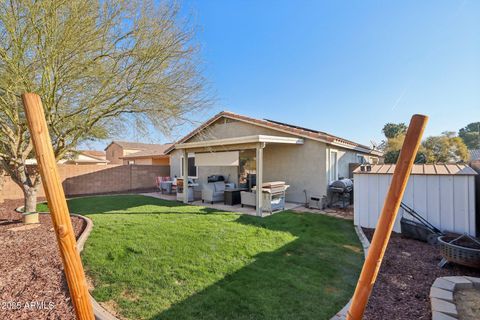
(32, 283)
(406, 275)
(468, 303)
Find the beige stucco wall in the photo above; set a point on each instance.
(143, 161)
(303, 167)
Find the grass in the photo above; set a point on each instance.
(155, 259)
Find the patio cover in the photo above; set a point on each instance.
(256, 142)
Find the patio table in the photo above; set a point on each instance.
(232, 196)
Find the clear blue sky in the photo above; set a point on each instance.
(344, 67)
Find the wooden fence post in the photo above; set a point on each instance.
(58, 206)
(387, 218)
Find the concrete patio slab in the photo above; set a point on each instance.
(220, 205)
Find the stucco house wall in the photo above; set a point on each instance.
(300, 166)
(140, 161)
(303, 167)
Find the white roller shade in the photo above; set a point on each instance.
(211, 159)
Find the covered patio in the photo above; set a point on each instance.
(219, 151)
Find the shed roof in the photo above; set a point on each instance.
(422, 169)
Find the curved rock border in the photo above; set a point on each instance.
(441, 295)
(99, 312)
(342, 314)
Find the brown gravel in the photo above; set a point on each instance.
(403, 284)
(31, 269)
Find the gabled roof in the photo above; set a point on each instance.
(135, 145)
(422, 169)
(158, 151)
(282, 127)
(100, 155)
(474, 154)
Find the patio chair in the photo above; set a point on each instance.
(213, 191)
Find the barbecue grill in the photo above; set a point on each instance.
(340, 193)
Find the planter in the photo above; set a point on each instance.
(30, 217)
(460, 254)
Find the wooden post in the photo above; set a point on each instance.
(387, 218)
(58, 206)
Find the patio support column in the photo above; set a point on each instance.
(185, 176)
(259, 178)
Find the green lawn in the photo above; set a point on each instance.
(155, 259)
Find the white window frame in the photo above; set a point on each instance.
(190, 155)
(330, 173)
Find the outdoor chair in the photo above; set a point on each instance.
(213, 191)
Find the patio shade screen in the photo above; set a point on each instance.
(217, 159)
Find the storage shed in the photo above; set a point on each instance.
(442, 193)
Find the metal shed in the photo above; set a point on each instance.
(444, 194)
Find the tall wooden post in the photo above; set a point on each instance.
(387, 218)
(58, 206)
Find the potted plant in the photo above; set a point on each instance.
(30, 217)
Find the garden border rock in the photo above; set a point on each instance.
(99, 312)
(441, 295)
(342, 314)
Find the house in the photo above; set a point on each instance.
(235, 146)
(88, 157)
(81, 157)
(153, 156)
(123, 152)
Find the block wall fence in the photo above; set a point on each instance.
(96, 179)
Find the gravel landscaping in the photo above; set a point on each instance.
(32, 284)
(407, 273)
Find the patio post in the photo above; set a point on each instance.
(259, 178)
(185, 176)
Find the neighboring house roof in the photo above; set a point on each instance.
(422, 169)
(283, 127)
(94, 154)
(135, 145)
(474, 154)
(155, 152)
(89, 156)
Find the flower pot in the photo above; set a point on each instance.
(30, 217)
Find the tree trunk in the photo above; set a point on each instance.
(30, 199)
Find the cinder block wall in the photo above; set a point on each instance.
(94, 179)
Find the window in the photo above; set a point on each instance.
(131, 161)
(333, 165)
(192, 169)
(360, 159)
(374, 160)
(247, 168)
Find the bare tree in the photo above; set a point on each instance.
(95, 64)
